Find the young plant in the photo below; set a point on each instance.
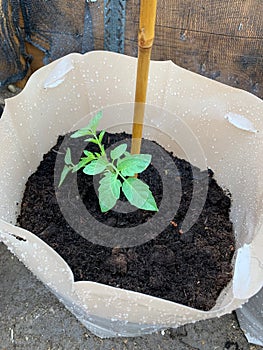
(117, 173)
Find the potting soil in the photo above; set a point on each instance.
(190, 268)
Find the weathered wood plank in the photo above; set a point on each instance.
(222, 40)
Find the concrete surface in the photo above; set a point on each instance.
(31, 318)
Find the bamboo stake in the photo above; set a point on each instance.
(145, 42)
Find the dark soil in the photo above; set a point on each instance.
(190, 268)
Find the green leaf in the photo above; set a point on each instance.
(111, 183)
(64, 173)
(105, 208)
(139, 194)
(84, 161)
(89, 154)
(67, 158)
(96, 166)
(90, 129)
(81, 164)
(101, 135)
(78, 166)
(102, 150)
(93, 124)
(118, 151)
(81, 132)
(92, 140)
(133, 164)
(109, 191)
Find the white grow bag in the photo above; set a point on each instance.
(228, 124)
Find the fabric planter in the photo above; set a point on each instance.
(224, 122)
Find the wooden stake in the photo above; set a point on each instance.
(145, 42)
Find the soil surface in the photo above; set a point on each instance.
(189, 267)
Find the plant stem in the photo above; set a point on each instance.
(100, 145)
(117, 171)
